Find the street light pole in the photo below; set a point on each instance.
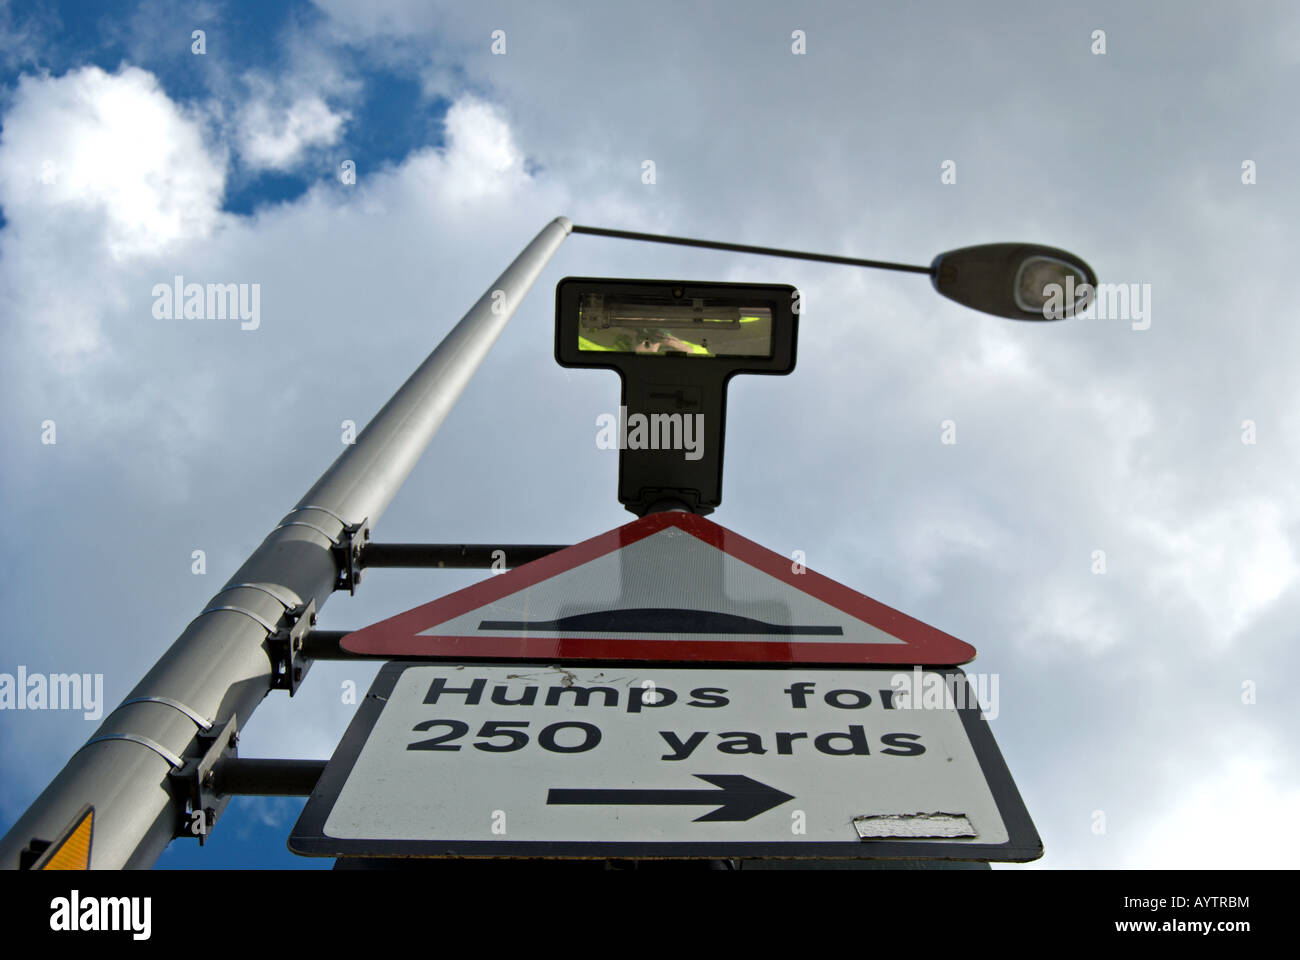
(221, 666)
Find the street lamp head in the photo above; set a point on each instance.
(1023, 281)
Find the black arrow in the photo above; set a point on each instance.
(740, 797)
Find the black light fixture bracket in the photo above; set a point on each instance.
(675, 344)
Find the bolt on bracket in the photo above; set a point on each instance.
(288, 665)
(347, 552)
(195, 781)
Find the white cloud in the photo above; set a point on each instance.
(276, 137)
(944, 534)
(100, 174)
(1230, 565)
(481, 157)
(1062, 619)
(108, 152)
(1234, 810)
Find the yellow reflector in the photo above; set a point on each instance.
(72, 852)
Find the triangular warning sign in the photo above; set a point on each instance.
(669, 587)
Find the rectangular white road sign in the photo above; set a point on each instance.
(483, 760)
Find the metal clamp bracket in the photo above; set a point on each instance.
(202, 722)
(347, 553)
(141, 739)
(277, 592)
(195, 782)
(288, 665)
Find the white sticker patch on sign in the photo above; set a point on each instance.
(913, 826)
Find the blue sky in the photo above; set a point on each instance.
(126, 159)
(392, 118)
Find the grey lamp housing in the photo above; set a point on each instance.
(1012, 280)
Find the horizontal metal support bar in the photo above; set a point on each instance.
(454, 555)
(746, 248)
(324, 645)
(246, 776)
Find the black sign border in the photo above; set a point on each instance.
(308, 836)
